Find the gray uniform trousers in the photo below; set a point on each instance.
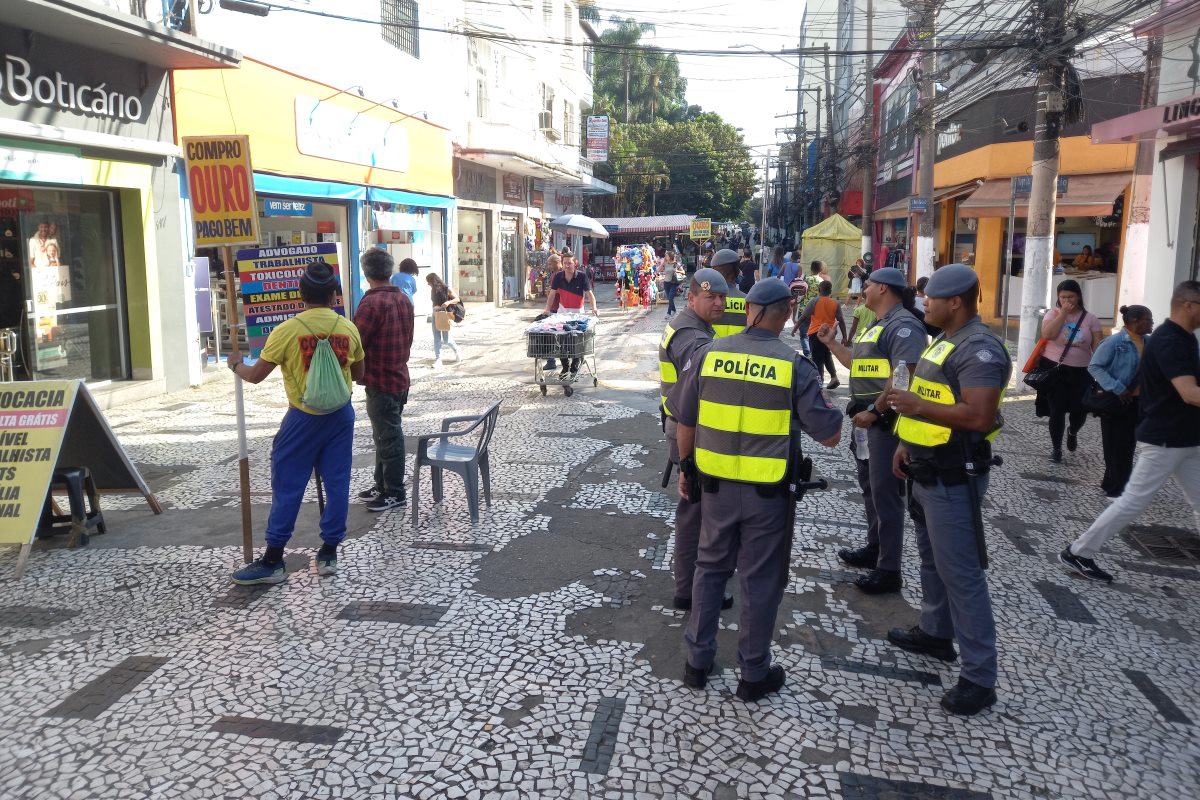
(751, 533)
(954, 591)
(687, 530)
(882, 497)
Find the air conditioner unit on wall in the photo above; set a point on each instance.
(546, 126)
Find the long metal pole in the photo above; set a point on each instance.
(868, 140)
(240, 409)
(762, 232)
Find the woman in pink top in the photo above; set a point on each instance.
(1070, 323)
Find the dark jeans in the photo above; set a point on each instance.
(821, 356)
(671, 289)
(1064, 400)
(384, 409)
(1118, 435)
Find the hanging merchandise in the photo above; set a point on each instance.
(635, 275)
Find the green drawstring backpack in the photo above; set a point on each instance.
(325, 388)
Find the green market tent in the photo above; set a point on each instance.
(838, 243)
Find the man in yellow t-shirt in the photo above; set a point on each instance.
(306, 440)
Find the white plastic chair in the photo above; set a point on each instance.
(467, 459)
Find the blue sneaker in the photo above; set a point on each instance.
(257, 572)
(326, 563)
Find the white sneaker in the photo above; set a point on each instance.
(437, 363)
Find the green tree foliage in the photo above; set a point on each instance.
(699, 166)
(697, 162)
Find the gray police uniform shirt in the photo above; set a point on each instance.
(684, 344)
(818, 418)
(903, 337)
(980, 362)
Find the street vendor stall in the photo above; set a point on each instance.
(838, 243)
(665, 231)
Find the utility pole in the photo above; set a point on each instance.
(626, 61)
(1049, 18)
(1132, 288)
(797, 148)
(922, 248)
(868, 140)
(762, 231)
(827, 167)
(814, 180)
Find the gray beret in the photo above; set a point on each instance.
(723, 257)
(709, 280)
(768, 291)
(889, 276)
(951, 280)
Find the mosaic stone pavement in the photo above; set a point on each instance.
(531, 655)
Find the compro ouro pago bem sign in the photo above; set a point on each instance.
(220, 184)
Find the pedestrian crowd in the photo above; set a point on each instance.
(736, 401)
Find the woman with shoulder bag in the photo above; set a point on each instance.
(443, 297)
(1114, 370)
(1072, 335)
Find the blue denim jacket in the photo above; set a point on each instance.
(1114, 365)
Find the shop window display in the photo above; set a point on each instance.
(61, 289)
(472, 256)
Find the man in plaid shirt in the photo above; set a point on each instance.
(385, 322)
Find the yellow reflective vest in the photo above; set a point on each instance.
(930, 382)
(869, 367)
(743, 428)
(667, 372)
(734, 319)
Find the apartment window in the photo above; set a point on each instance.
(548, 13)
(399, 25)
(570, 127)
(568, 28)
(589, 62)
(546, 115)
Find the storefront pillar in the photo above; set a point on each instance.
(989, 253)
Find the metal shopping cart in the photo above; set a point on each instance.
(566, 347)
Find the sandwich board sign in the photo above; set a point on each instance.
(44, 424)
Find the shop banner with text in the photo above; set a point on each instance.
(33, 419)
(220, 184)
(701, 229)
(270, 278)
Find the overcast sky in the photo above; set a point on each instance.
(747, 91)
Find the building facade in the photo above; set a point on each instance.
(93, 260)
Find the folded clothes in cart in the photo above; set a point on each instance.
(561, 323)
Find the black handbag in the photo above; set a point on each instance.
(1100, 402)
(1042, 379)
(458, 310)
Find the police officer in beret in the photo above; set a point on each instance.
(947, 423)
(897, 336)
(740, 409)
(687, 332)
(734, 319)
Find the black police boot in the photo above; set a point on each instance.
(915, 640)
(753, 691)
(880, 581)
(696, 678)
(968, 698)
(864, 557)
(685, 603)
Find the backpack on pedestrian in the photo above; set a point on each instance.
(325, 387)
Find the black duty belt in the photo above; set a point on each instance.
(713, 486)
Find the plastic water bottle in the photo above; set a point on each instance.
(900, 379)
(861, 450)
